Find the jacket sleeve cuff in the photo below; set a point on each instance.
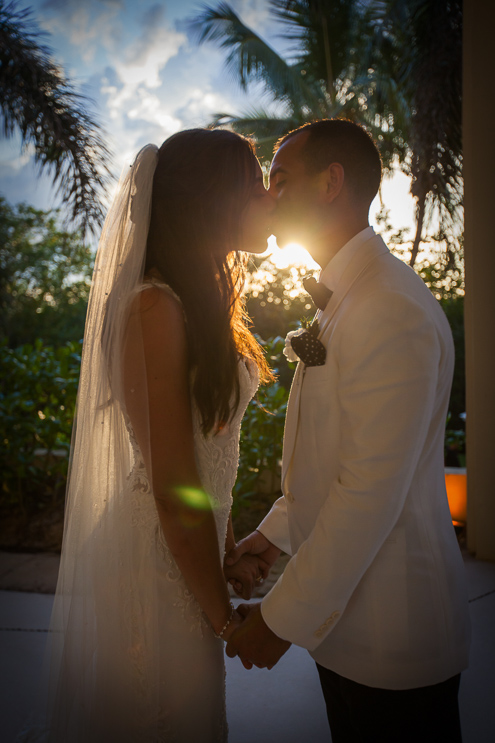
(296, 621)
(275, 526)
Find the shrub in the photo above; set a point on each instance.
(262, 431)
(37, 401)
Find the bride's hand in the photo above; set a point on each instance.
(237, 620)
(234, 624)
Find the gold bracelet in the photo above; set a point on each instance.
(219, 636)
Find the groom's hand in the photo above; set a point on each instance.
(255, 544)
(254, 642)
(247, 572)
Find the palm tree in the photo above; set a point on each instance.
(419, 44)
(366, 60)
(312, 83)
(37, 99)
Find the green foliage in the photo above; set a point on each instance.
(444, 275)
(39, 382)
(455, 443)
(394, 66)
(417, 46)
(275, 299)
(262, 434)
(45, 276)
(37, 401)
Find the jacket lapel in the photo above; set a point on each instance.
(357, 266)
(291, 419)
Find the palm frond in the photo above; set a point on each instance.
(251, 59)
(38, 100)
(323, 34)
(417, 44)
(392, 65)
(260, 125)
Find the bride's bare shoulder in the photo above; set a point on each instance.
(162, 295)
(159, 301)
(157, 319)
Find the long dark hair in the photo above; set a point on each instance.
(203, 180)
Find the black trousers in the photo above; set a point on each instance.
(362, 714)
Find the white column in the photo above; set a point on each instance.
(479, 180)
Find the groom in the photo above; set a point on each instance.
(375, 587)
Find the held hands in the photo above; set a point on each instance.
(245, 574)
(254, 544)
(249, 563)
(234, 624)
(253, 641)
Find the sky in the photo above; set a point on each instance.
(147, 79)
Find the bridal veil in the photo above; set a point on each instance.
(94, 654)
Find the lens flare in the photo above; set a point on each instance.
(292, 254)
(195, 498)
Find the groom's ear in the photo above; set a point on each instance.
(334, 179)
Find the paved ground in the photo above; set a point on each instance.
(37, 573)
(282, 705)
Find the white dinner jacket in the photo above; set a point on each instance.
(375, 589)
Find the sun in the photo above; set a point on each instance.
(292, 255)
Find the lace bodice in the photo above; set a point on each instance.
(217, 454)
(217, 459)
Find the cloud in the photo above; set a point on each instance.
(201, 104)
(61, 6)
(14, 155)
(139, 65)
(20, 176)
(148, 54)
(254, 13)
(87, 25)
(146, 80)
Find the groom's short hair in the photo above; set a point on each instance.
(342, 141)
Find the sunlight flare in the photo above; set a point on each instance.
(292, 255)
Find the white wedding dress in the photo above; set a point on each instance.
(136, 660)
(130, 656)
(191, 683)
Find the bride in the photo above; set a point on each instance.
(168, 368)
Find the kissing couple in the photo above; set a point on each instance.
(374, 587)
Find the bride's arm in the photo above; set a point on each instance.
(230, 538)
(156, 335)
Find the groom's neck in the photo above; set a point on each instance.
(333, 237)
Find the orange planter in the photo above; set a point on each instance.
(456, 484)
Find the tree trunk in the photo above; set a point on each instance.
(420, 216)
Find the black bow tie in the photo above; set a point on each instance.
(320, 294)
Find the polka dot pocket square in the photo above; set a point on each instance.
(308, 348)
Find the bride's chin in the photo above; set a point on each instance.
(256, 247)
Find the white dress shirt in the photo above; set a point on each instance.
(333, 271)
